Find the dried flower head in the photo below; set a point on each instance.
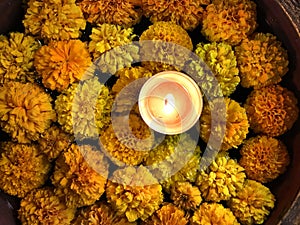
(166, 37)
(167, 215)
(61, 63)
(213, 213)
(271, 110)
(127, 141)
(185, 196)
(269, 60)
(221, 60)
(187, 13)
(264, 158)
(252, 203)
(54, 19)
(118, 12)
(54, 141)
(16, 57)
(25, 111)
(100, 214)
(42, 206)
(22, 168)
(84, 109)
(236, 123)
(134, 192)
(229, 21)
(80, 175)
(224, 178)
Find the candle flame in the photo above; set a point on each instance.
(169, 107)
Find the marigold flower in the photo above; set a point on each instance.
(80, 175)
(84, 109)
(54, 141)
(269, 60)
(42, 206)
(22, 168)
(100, 214)
(264, 158)
(16, 57)
(187, 13)
(236, 123)
(167, 215)
(271, 110)
(25, 111)
(252, 203)
(186, 196)
(166, 37)
(229, 21)
(127, 145)
(222, 61)
(224, 178)
(118, 12)
(54, 19)
(61, 63)
(140, 199)
(213, 213)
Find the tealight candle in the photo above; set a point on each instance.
(170, 102)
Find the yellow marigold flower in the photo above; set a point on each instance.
(100, 214)
(127, 144)
(54, 19)
(16, 57)
(25, 111)
(42, 206)
(166, 37)
(271, 110)
(134, 192)
(186, 196)
(61, 63)
(269, 61)
(22, 168)
(167, 215)
(118, 12)
(253, 203)
(264, 158)
(222, 61)
(187, 13)
(236, 123)
(224, 178)
(84, 109)
(213, 213)
(229, 21)
(54, 141)
(80, 175)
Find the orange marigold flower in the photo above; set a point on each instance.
(16, 57)
(134, 192)
(25, 111)
(80, 175)
(100, 214)
(186, 196)
(167, 215)
(229, 21)
(186, 13)
(253, 203)
(236, 123)
(118, 12)
(42, 206)
(213, 213)
(54, 141)
(61, 63)
(271, 110)
(269, 60)
(264, 158)
(54, 19)
(22, 168)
